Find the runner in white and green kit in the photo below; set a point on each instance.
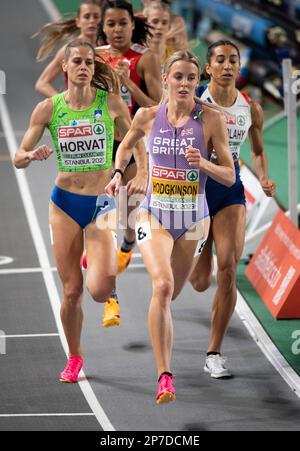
(81, 121)
(227, 205)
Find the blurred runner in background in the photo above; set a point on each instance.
(125, 36)
(84, 26)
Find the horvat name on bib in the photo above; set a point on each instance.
(83, 145)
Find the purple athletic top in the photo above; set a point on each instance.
(176, 192)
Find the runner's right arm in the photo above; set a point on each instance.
(139, 128)
(150, 69)
(40, 118)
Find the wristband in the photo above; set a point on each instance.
(115, 171)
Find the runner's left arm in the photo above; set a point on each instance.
(123, 123)
(224, 171)
(258, 155)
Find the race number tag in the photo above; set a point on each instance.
(115, 239)
(82, 145)
(200, 247)
(143, 232)
(174, 189)
(126, 95)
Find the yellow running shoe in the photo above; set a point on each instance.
(111, 314)
(124, 259)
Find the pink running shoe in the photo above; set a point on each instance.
(166, 391)
(83, 260)
(73, 367)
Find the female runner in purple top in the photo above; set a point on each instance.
(173, 221)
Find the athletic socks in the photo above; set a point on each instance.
(212, 353)
(167, 373)
(114, 294)
(127, 246)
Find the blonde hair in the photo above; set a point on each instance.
(157, 5)
(177, 36)
(54, 34)
(189, 57)
(104, 77)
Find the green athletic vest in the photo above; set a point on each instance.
(83, 139)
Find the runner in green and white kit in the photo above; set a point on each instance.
(83, 139)
(81, 121)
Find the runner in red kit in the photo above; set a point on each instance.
(139, 70)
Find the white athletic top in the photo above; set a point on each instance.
(238, 123)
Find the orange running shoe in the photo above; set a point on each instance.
(111, 314)
(124, 259)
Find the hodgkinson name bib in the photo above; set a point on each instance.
(174, 189)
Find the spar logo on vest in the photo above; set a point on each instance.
(193, 176)
(237, 132)
(232, 119)
(82, 144)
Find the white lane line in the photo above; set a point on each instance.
(51, 9)
(28, 415)
(266, 345)
(136, 266)
(5, 260)
(5, 272)
(263, 341)
(29, 336)
(45, 263)
(136, 255)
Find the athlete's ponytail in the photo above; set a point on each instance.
(104, 77)
(141, 30)
(177, 36)
(55, 34)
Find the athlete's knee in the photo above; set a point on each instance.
(163, 289)
(227, 273)
(101, 289)
(73, 294)
(201, 283)
(201, 277)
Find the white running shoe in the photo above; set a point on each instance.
(214, 365)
